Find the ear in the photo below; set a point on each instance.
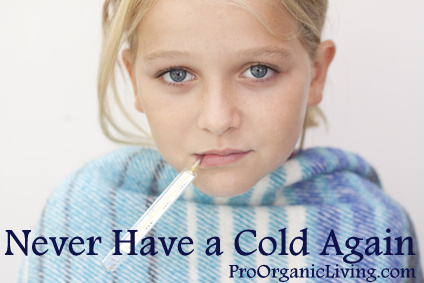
(126, 58)
(325, 54)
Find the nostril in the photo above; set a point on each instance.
(218, 120)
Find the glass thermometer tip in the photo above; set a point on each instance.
(196, 164)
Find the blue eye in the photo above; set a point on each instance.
(258, 72)
(177, 76)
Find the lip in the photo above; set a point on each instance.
(214, 158)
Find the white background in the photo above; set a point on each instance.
(48, 110)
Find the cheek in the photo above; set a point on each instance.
(285, 113)
(284, 128)
(169, 122)
(161, 111)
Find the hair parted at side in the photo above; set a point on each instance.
(120, 20)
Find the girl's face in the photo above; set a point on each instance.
(213, 81)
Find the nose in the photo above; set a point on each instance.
(220, 108)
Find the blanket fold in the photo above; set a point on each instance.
(320, 217)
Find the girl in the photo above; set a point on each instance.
(234, 83)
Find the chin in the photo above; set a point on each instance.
(227, 189)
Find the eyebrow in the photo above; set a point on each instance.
(267, 51)
(278, 52)
(165, 55)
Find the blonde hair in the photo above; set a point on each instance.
(120, 21)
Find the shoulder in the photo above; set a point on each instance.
(343, 177)
(92, 191)
(113, 169)
(103, 195)
(318, 161)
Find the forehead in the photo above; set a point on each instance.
(269, 12)
(232, 23)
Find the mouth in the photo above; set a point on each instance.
(214, 158)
